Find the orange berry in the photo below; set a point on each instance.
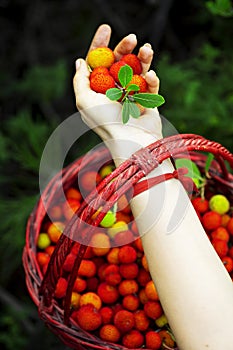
(61, 287)
(138, 245)
(133, 339)
(141, 320)
(211, 220)
(131, 302)
(151, 291)
(98, 70)
(145, 263)
(230, 226)
(55, 212)
(101, 83)
(91, 298)
(87, 268)
(140, 81)
(88, 317)
(106, 314)
(220, 233)
(114, 69)
(153, 309)
(100, 243)
(143, 277)
(133, 61)
(166, 338)
(75, 299)
(124, 320)
(112, 275)
(79, 285)
(221, 247)
(89, 180)
(49, 250)
(228, 263)
(200, 204)
(128, 287)
(225, 220)
(100, 57)
(110, 333)
(73, 193)
(113, 255)
(42, 258)
(108, 294)
(70, 206)
(55, 230)
(127, 254)
(123, 237)
(129, 271)
(153, 340)
(142, 296)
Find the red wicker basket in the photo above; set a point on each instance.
(41, 287)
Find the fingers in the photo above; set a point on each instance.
(81, 82)
(101, 37)
(145, 55)
(125, 46)
(152, 81)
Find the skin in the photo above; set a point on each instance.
(195, 289)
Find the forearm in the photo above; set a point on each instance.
(194, 287)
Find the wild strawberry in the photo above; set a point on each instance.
(140, 81)
(151, 291)
(79, 285)
(138, 245)
(112, 275)
(108, 294)
(143, 277)
(225, 220)
(43, 241)
(129, 271)
(142, 296)
(42, 258)
(211, 220)
(219, 203)
(49, 250)
(73, 193)
(230, 226)
(131, 302)
(91, 298)
(61, 287)
(220, 233)
(55, 230)
(106, 314)
(87, 268)
(127, 254)
(113, 256)
(133, 61)
(70, 206)
(75, 299)
(128, 287)
(141, 320)
(153, 340)
(124, 320)
(228, 263)
(221, 247)
(153, 309)
(123, 237)
(114, 69)
(100, 57)
(101, 83)
(110, 333)
(99, 70)
(88, 180)
(100, 243)
(133, 339)
(145, 263)
(88, 317)
(200, 204)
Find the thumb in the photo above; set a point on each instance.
(81, 81)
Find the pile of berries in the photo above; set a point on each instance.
(114, 296)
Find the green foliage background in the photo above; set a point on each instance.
(193, 58)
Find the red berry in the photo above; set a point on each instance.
(200, 204)
(211, 220)
(153, 340)
(88, 317)
(102, 82)
(133, 61)
(114, 69)
(124, 320)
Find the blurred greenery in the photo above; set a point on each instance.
(40, 41)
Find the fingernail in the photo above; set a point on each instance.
(77, 64)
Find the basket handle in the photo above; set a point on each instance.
(126, 176)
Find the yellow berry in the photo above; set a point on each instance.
(43, 241)
(100, 57)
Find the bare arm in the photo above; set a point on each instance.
(194, 287)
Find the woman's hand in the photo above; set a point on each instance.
(103, 115)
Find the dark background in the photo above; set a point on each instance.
(39, 43)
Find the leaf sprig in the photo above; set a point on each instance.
(123, 94)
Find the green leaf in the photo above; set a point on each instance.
(125, 75)
(114, 94)
(209, 159)
(134, 111)
(149, 100)
(133, 87)
(125, 112)
(193, 170)
(220, 7)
